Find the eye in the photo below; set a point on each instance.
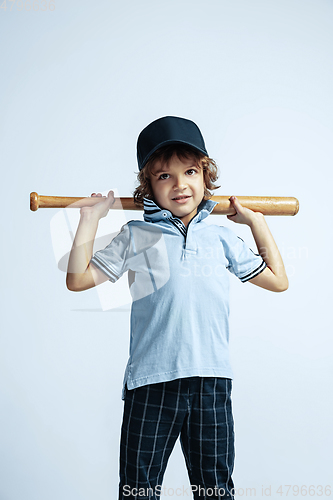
(163, 176)
(191, 171)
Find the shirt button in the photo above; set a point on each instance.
(165, 214)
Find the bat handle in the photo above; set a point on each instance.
(34, 201)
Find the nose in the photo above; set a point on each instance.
(180, 182)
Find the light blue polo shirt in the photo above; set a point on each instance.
(179, 282)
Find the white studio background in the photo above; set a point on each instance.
(78, 83)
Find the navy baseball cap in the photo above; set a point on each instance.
(168, 130)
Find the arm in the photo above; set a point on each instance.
(274, 276)
(82, 275)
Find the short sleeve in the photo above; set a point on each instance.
(112, 259)
(243, 262)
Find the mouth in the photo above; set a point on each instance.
(181, 198)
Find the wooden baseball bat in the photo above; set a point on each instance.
(267, 205)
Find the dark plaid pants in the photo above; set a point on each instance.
(198, 409)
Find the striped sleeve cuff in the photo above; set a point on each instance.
(98, 262)
(255, 272)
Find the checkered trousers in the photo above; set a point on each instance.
(198, 409)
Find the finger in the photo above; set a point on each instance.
(236, 204)
(111, 197)
(234, 200)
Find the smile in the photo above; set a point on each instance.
(181, 199)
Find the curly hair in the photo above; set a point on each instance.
(164, 154)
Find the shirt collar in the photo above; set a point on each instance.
(154, 213)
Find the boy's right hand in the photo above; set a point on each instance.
(101, 209)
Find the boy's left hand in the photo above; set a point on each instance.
(243, 215)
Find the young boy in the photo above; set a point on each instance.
(178, 378)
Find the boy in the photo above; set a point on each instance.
(178, 377)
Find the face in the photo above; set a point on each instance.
(178, 186)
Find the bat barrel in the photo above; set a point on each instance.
(267, 205)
